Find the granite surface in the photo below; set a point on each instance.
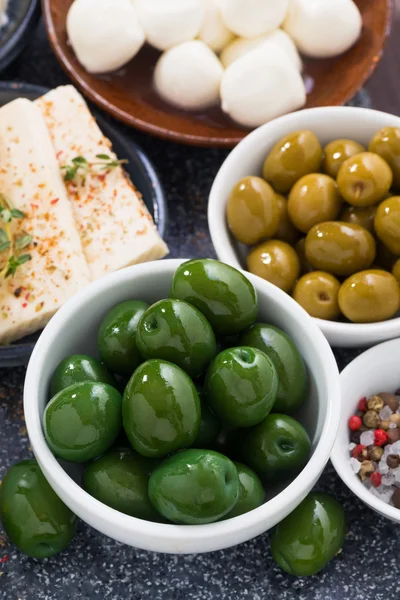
(97, 567)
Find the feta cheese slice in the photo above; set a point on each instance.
(115, 226)
(30, 179)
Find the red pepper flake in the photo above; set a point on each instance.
(357, 450)
(380, 437)
(27, 296)
(376, 479)
(25, 304)
(355, 423)
(362, 405)
(102, 177)
(4, 559)
(59, 154)
(54, 201)
(34, 205)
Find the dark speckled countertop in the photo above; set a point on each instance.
(97, 567)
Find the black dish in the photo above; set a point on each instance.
(140, 171)
(22, 17)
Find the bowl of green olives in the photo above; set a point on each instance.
(310, 202)
(182, 406)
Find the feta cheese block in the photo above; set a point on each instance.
(30, 180)
(114, 225)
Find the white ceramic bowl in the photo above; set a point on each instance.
(376, 370)
(74, 329)
(247, 158)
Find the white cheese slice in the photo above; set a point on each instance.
(115, 226)
(30, 179)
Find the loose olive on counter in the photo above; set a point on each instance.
(370, 296)
(340, 248)
(396, 270)
(252, 210)
(313, 199)
(387, 224)
(359, 216)
(276, 262)
(317, 293)
(293, 156)
(336, 152)
(286, 231)
(364, 179)
(386, 143)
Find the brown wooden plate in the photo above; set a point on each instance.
(129, 95)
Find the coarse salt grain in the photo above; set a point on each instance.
(355, 465)
(392, 425)
(386, 413)
(388, 479)
(383, 492)
(352, 446)
(383, 467)
(367, 438)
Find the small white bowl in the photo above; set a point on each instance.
(376, 370)
(328, 123)
(74, 329)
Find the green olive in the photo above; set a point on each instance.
(292, 157)
(317, 293)
(384, 258)
(286, 231)
(370, 296)
(300, 247)
(313, 199)
(340, 248)
(360, 216)
(386, 143)
(364, 179)
(396, 270)
(336, 152)
(387, 224)
(276, 262)
(252, 210)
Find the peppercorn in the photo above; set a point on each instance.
(366, 469)
(395, 419)
(393, 461)
(355, 437)
(396, 498)
(375, 403)
(384, 425)
(355, 423)
(393, 435)
(371, 419)
(376, 479)
(362, 404)
(375, 453)
(380, 437)
(390, 400)
(357, 451)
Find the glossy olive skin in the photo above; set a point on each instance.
(286, 231)
(34, 518)
(396, 270)
(83, 421)
(340, 248)
(241, 386)
(76, 369)
(225, 296)
(386, 143)
(387, 224)
(277, 449)
(359, 216)
(252, 210)
(370, 296)
(313, 199)
(175, 331)
(210, 428)
(160, 409)
(120, 480)
(300, 247)
(317, 293)
(311, 536)
(336, 152)
(364, 179)
(251, 491)
(291, 369)
(292, 157)
(194, 487)
(275, 261)
(117, 337)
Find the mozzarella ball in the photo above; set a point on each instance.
(262, 85)
(321, 28)
(168, 23)
(249, 18)
(104, 35)
(214, 32)
(189, 76)
(241, 46)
